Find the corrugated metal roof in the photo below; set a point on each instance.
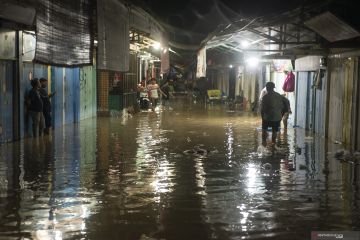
(63, 35)
(331, 27)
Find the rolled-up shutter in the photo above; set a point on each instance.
(63, 32)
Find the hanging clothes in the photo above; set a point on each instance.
(289, 83)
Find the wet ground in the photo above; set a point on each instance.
(189, 173)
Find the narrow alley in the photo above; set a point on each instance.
(179, 120)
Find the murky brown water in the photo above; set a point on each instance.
(149, 177)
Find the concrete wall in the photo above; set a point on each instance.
(6, 100)
(306, 64)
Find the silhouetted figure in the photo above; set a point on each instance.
(271, 112)
(46, 104)
(286, 111)
(35, 104)
(167, 88)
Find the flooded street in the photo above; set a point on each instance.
(189, 173)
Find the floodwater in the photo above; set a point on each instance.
(189, 173)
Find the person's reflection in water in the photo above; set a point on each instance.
(37, 156)
(49, 161)
(33, 159)
(10, 197)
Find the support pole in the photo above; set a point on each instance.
(16, 90)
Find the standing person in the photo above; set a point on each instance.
(262, 94)
(46, 104)
(167, 91)
(271, 112)
(35, 104)
(153, 89)
(141, 86)
(286, 111)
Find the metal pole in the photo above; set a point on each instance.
(16, 90)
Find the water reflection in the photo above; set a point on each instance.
(190, 173)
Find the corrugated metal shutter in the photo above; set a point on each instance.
(63, 32)
(336, 101)
(349, 71)
(113, 36)
(357, 110)
(320, 108)
(25, 87)
(6, 103)
(57, 82)
(302, 101)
